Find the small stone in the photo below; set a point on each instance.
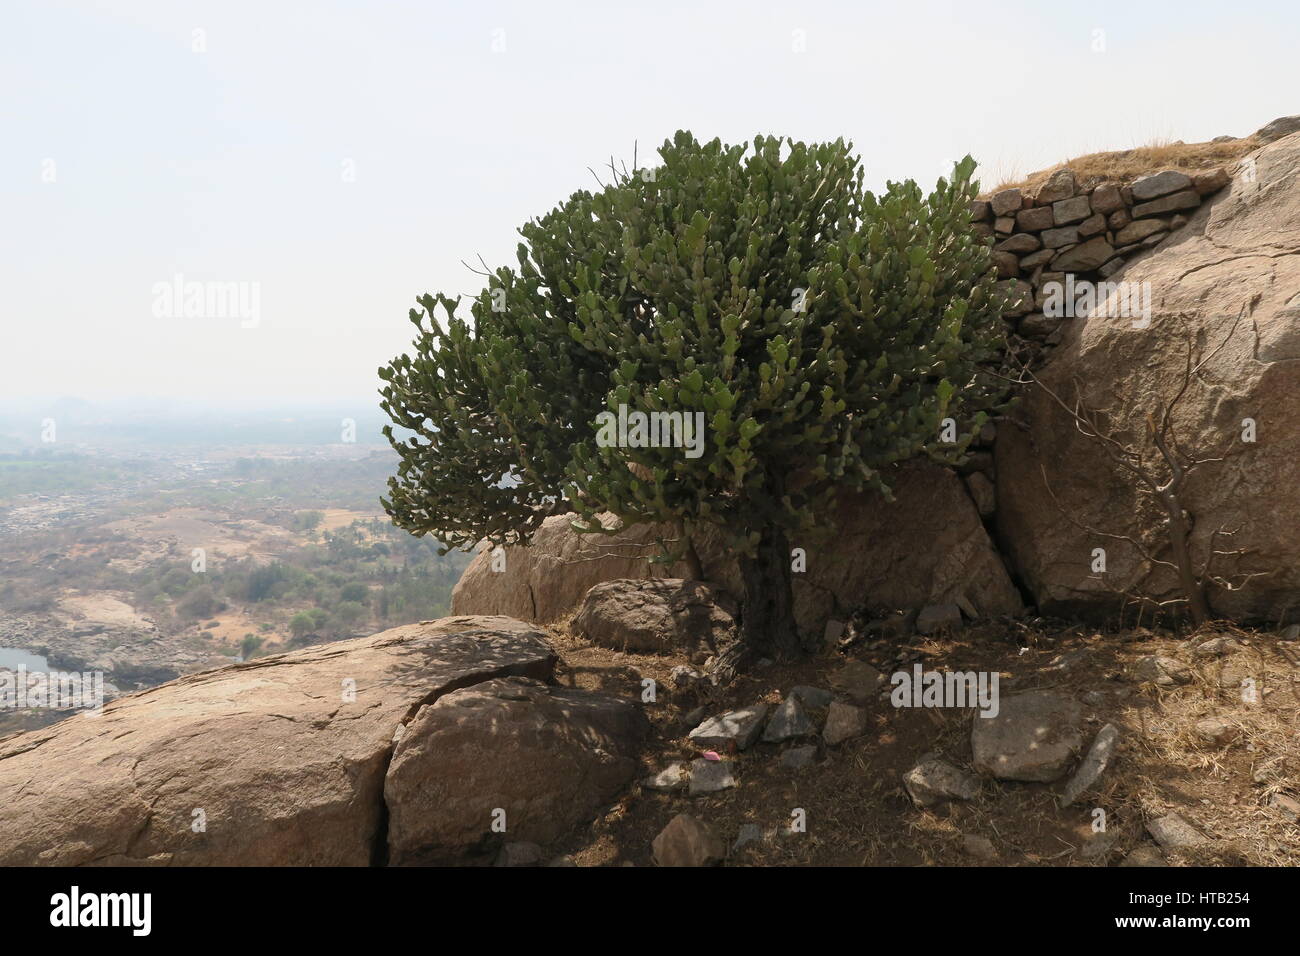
(1035, 219)
(1008, 264)
(1033, 737)
(683, 677)
(814, 698)
(1187, 199)
(1035, 259)
(1160, 184)
(1006, 202)
(1215, 731)
(787, 722)
(932, 781)
(796, 758)
(980, 210)
(1217, 647)
(1093, 766)
(1291, 632)
(564, 860)
(519, 854)
(1108, 269)
(1004, 225)
(1092, 226)
(1020, 243)
(1137, 231)
(938, 617)
(731, 731)
(672, 778)
(749, 833)
(1106, 199)
(1145, 855)
(1174, 833)
(1073, 210)
(1084, 257)
(1163, 671)
(1234, 675)
(833, 632)
(1037, 326)
(1060, 185)
(1119, 219)
(1060, 238)
(687, 842)
(1099, 845)
(1210, 181)
(1178, 222)
(1288, 806)
(979, 847)
(710, 776)
(1154, 239)
(858, 680)
(843, 722)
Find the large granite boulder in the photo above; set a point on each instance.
(658, 615)
(283, 760)
(511, 753)
(1059, 495)
(927, 546)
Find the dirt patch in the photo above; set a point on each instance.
(857, 812)
(102, 607)
(178, 531)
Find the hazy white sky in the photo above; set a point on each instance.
(344, 157)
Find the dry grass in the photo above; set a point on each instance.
(1128, 164)
(858, 813)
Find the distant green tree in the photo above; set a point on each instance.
(200, 603)
(301, 624)
(354, 591)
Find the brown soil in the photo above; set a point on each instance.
(858, 813)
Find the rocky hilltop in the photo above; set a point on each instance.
(568, 713)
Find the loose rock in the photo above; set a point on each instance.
(938, 617)
(788, 722)
(932, 781)
(734, 730)
(519, 854)
(1093, 765)
(843, 722)
(687, 842)
(710, 776)
(1034, 737)
(1174, 833)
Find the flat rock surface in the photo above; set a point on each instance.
(278, 761)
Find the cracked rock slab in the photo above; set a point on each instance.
(734, 730)
(1034, 737)
(280, 761)
(508, 756)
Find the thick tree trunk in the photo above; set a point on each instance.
(767, 619)
(1198, 607)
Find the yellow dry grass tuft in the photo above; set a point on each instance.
(1128, 164)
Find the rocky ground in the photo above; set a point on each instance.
(1188, 768)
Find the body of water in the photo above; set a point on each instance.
(14, 657)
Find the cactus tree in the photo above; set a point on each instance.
(819, 332)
